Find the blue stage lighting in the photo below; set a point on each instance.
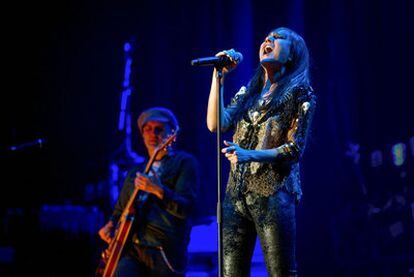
(399, 154)
(376, 158)
(127, 47)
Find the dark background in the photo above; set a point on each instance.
(63, 68)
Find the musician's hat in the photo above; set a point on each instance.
(157, 114)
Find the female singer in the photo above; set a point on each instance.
(270, 119)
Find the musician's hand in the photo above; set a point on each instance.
(232, 54)
(105, 232)
(143, 182)
(235, 154)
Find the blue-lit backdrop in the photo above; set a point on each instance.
(64, 77)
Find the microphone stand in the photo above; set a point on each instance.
(35, 143)
(219, 68)
(219, 206)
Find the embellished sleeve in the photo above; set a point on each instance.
(292, 150)
(231, 109)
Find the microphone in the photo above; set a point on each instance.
(220, 61)
(35, 143)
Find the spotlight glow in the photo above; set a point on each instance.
(399, 154)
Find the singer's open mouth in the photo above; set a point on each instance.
(267, 49)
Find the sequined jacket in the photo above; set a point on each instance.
(282, 126)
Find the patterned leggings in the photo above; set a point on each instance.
(273, 219)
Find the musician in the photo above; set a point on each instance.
(270, 121)
(158, 245)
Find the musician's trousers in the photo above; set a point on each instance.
(272, 219)
(149, 264)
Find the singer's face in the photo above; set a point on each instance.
(275, 48)
(154, 132)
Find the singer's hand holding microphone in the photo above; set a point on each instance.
(234, 59)
(226, 60)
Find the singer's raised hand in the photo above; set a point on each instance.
(236, 58)
(216, 88)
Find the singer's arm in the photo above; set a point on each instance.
(212, 105)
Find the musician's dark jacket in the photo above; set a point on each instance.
(165, 222)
